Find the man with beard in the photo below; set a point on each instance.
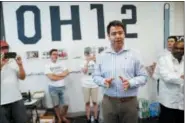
(120, 71)
(171, 75)
(154, 71)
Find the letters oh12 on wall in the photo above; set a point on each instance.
(62, 54)
(57, 22)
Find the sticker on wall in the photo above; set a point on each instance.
(62, 54)
(77, 57)
(32, 54)
(94, 50)
(45, 55)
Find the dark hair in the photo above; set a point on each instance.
(87, 51)
(52, 50)
(174, 37)
(181, 39)
(114, 23)
(101, 49)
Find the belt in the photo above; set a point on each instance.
(122, 99)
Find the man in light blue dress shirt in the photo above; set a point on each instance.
(121, 72)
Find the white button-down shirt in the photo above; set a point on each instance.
(156, 71)
(171, 85)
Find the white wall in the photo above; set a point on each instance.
(177, 19)
(149, 43)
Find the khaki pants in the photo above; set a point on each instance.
(90, 93)
(117, 111)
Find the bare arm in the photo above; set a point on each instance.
(21, 73)
(85, 68)
(63, 74)
(55, 77)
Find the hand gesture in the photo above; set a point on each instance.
(108, 82)
(125, 82)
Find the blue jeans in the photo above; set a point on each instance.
(57, 95)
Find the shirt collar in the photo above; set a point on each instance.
(166, 50)
(110, 50)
